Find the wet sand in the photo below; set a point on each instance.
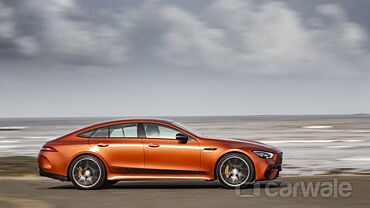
(18, 166)
(43, 192)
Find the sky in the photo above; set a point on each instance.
(183, 58)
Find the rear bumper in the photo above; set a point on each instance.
(52, 175)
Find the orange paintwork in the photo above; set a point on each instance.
(189, 157)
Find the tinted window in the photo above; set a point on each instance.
(100, 133)
(123, 130)
(87, 134)
(160, 131)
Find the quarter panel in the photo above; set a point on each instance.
(67, 148)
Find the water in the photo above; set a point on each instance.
(319, 144)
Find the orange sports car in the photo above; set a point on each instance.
(100, 155)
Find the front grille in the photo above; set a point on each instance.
(279, 158)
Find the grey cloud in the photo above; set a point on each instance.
(269, 38)
(12, 44)
(59, 31)
(247, 37)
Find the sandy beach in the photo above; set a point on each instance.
(18, 166)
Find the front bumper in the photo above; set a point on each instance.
(273, 170)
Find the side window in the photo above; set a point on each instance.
(87, 134)
(100, 133)
(128, 130)
(160, 131)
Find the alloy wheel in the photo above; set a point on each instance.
(86, 172)
(234, 171)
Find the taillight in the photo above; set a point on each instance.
(48, 149)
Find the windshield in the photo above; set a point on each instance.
(187, 129)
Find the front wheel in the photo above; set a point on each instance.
(235, 170)
(87, 172)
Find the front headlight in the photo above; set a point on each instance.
(263, 154)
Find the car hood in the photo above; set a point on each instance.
(243, 143)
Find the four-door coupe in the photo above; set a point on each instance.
(100, 155)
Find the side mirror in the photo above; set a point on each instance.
(182, 137)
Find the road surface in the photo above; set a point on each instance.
(44, 193)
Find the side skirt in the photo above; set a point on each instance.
(144, 171)
(156, 174)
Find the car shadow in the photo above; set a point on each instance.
(177, 185)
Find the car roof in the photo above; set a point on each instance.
(138, 119)
(148, 119)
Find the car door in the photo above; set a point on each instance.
(163, 152)
(120, 146)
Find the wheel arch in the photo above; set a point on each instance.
(81, 154)
(233, 152)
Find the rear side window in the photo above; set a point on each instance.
(95, 133)
(100, 133)
(87, 134)
(128, 130)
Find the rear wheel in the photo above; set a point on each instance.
(87, 172)
(235, 170)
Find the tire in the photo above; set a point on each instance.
(235, 170)
(87, 172)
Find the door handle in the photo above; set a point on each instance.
(207, 149)
(103, 145)
(153, 145)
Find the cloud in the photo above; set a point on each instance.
(59, 31)
(190, 42)
(234, 36)
(267, 38)
(11, 43)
